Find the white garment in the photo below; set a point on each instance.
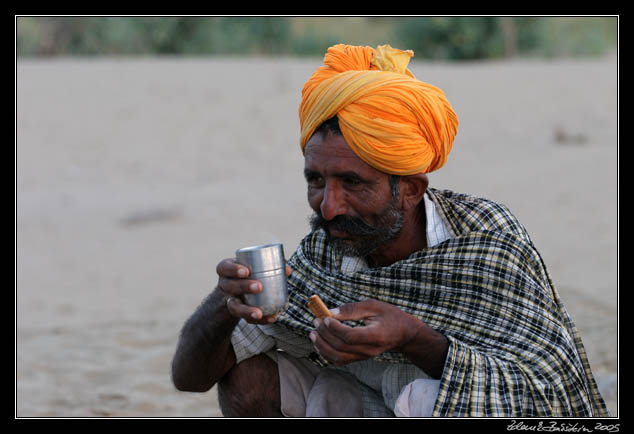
(417, 399)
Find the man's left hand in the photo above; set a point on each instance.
(386, 327)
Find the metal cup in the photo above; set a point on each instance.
(267, 264)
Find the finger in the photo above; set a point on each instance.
(324, 333)
(231, 268)
(337, 347)
(338, 352)
(239, 287)
(360, 340)
(288, 270)
(356, 311)
(241, 310)
(270, 319)
(328, 352)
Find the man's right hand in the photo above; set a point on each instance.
(234, 282)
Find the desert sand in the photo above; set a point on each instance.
(136, 176)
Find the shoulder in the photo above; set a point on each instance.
(465, 213)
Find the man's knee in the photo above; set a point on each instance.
(251, 389)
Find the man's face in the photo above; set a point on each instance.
(352, 200)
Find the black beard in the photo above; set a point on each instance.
(366, 238)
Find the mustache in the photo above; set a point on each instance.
(343, 223)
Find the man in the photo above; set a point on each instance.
(441, 304)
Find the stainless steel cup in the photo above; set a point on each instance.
(267, 264)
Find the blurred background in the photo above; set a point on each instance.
(150, 148)
(439, 38)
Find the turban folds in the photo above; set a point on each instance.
(392, 121)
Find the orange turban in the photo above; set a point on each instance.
(392, 121)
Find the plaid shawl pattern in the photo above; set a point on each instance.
(513, 351)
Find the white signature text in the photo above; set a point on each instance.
(571, 427)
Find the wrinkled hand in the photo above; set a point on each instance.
(234, 282)
(386, 327)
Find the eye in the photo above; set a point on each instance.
(313, 179)
(351, 181)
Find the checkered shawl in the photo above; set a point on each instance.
(513, 351)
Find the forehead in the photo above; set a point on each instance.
(330, 152)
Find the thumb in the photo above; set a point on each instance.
(354, 311)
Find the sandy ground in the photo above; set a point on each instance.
(134, 177)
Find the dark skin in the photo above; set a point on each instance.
(339, 183)
(204, 353)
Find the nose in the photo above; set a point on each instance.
(333, 201)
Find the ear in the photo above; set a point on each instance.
(413, 188)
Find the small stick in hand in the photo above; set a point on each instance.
(317, 307)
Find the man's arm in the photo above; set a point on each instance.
(204, 352)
